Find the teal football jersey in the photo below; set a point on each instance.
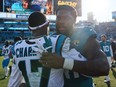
(78, 40)
(80, 37)
(105, 46)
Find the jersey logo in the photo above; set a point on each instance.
(75, 43)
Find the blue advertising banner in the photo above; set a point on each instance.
(28, 6)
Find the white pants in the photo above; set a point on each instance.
(107, 78)
(109, 61)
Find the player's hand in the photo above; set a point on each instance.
(52, 60)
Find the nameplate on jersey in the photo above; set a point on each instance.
(25, 52)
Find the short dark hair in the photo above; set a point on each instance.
(68, 8)
(103, 35)
(36, 18)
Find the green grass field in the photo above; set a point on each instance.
(3, 83)
(98, 80)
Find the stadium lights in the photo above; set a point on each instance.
(11, 28)
(9, 22)
(1, 28)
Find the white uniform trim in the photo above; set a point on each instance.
(68, 64)
(34, 28)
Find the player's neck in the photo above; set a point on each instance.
(38, 36)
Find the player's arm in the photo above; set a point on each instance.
(96, 64)
(2, 51)
(54, 60)
(111, 51)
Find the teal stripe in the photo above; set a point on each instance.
(59, 44)
(47, 43)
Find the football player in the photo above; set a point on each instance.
(28, 53)
(6, 53)
(83, 40)
(16, 79)
(107, 49)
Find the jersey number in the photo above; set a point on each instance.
(43, 73)
(106, 48)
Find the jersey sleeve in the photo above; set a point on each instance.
(44, 44)
(80, 37)
(48, 44)
(69, 53)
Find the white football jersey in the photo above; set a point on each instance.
(27, 54)
(16, 77)
(6, 51)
